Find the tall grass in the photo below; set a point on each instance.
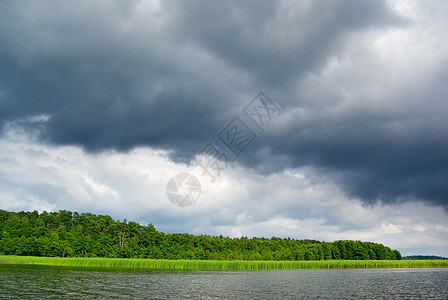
(214, 264)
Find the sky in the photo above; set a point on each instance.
(306, 119)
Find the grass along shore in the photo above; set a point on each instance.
(216, 265)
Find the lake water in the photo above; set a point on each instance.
(39, 282)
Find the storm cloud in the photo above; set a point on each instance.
(361, 85)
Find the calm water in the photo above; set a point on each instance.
(37, 282)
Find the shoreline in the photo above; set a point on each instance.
(165, 264)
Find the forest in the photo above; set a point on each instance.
(72, 234)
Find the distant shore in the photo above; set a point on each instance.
(127, 263)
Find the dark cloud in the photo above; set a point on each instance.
(276, 42)
(102, 87)
(112, 76)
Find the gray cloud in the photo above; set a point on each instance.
(276, 42)
(117, 76)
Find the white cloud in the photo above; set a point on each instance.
(239, 203)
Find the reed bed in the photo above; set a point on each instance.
(218, 265)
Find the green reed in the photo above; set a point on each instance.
(215, 264)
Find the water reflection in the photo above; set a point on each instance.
(38, 282)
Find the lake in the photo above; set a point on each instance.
(41, 282)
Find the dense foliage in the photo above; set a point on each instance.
(65, 234)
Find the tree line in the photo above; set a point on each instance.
(73, 234)
(424, 257)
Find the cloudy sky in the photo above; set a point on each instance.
(102, 102)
